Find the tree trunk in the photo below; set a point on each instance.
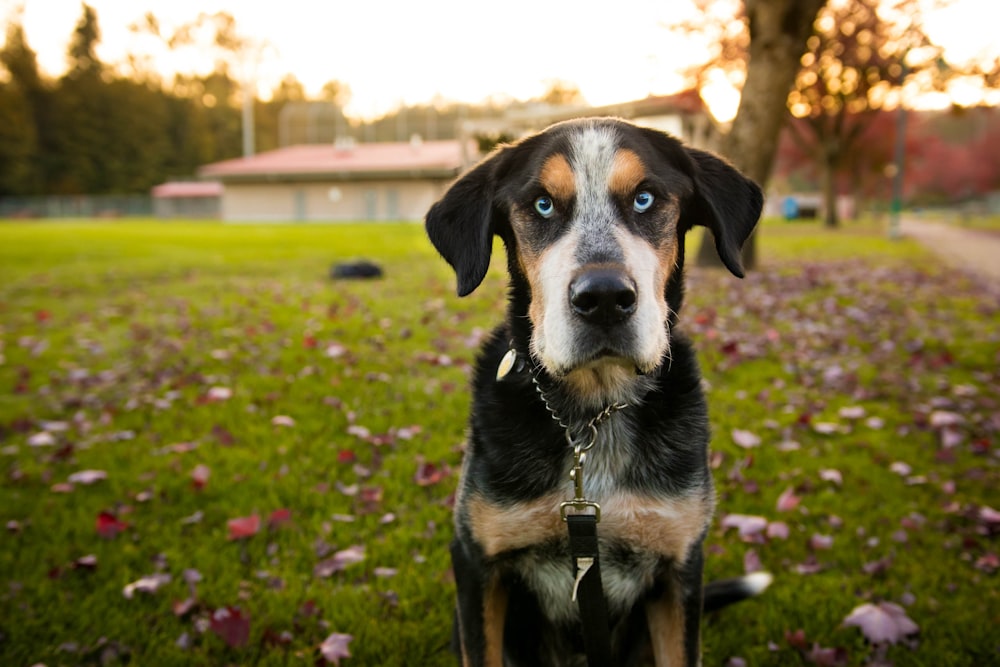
(778, 33)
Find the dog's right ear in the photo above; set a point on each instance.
(461, 225)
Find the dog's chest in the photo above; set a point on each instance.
(638, 533)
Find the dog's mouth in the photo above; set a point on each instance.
(605, 359)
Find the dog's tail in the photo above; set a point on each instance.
(719, 594)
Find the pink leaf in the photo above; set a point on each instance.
(749, 526)
(243, 527)
(340, 561)
(852, 412)
(231, 625)
(283, 420)
(218, 394)
(900, 468)
(788, 501)
(831, 475)
(777, 530)
(882, 622)
(745, 439)
(334, 647)
(200, 475)
(820, 542)
(87, 477)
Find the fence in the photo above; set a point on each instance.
(77, 206)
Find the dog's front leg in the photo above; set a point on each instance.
(482, 607)
(674, 617)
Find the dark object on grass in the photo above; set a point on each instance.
(361, 269)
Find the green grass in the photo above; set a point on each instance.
(119, 330)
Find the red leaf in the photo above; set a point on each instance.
(346, 456)
(108, 526)
(279, 517)
(243, 527)
(429, 474)
(231, 625)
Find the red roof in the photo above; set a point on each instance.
(444, 158)
(187, 189)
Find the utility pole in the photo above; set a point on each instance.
(896, 206)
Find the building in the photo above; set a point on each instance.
(341, 181)
(187, 199)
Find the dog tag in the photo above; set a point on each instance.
(506, 364)
(583, 566)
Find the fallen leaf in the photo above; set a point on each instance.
(749, 526)
(831, 475)
(148, 584)
(900, 468)
(788, 501)
(243, 527)
(283, 420)
(108, 526)
(86, 477)
(777, 530)
(429, 474)
(279, 517)
(339, 561)
(231, 625)
(881, 622)
(820, 542)
(334, 647)
(216, 394)
(42, 439)
(200, 475)
(745, 439)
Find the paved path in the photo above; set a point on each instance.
(968, 249)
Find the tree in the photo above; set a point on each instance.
(778, 30)
(23, 112)
(854, 60)
(82, 54)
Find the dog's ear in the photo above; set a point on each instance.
(461, 224)
(725, 201)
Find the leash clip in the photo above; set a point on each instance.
(579, 501)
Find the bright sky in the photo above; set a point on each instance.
(400, 51)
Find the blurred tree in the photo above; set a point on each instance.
(82, 53)
(24, 114)
(778, 30)
(562, 93)
(853, 65)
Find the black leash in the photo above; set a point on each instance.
(587, 589)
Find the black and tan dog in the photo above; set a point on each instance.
(593, 215)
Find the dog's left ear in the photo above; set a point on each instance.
(725, 201)
(460, 224)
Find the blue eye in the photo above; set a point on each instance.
(643, 202)
(545, 207)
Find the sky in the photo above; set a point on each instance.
(391, 52)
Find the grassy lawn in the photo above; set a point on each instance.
(163, 384)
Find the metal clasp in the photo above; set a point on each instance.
(579, 501)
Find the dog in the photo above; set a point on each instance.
(586, 399)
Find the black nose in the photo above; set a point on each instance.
(602, 296)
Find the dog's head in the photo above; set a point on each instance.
(593, 214)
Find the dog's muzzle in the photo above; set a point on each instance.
(603, 296)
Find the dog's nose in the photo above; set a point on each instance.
(603, 296)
